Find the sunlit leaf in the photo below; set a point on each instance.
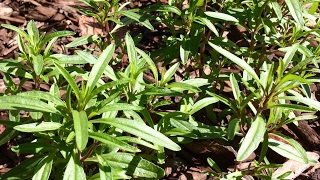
(170, 72)
(285, 150)
(183, 86)
(43, 169)
(237, 60)
(134, 165)
(235, 87)
(74, 170)
(209, 24)
(25, 103)
(82, 41)
(202, 103)
(252, 139)
(110, 140)
(80, 121)
(70, 80)
(99, 67)
(222, 16)
(141, 130)
(38, 127)
(307, 101)
(152, 65)
(137, 18)
(295, 10)
(164, 8)
(296, 145)
(119, 107)
(233, 128)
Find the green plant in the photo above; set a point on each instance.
(117, 127)
(108, 15)
(33, 63)
(70, 136)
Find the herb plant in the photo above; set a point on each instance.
(118, 126)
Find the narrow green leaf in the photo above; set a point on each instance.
(55, 35)
(284, 175)
(104, 169)
(170, 72)
(296, 145)
(213, 165)
(294, 107)
(23, 170)
(183, 86)
(295, 9)
(38, 127)
(222, 16)
(43, 96)
(134, 165)
(202, 103)
(161, 91)
(25, 103)
(132, 54)
(285, 150)
(119, 107)
(164, 8)
(18, 30)
(70, 80)
(140, 129)
(209, 24)
(299, 118)
(21, 44)
(47, 50)
(289, 55)
(313, 8)
(80, 120)
(83, 40)
(264, 148)
(10, 123)
(152, 65)
(74, 170)
(310, 102)
(7, 135)
(252, 139)
(14, 68)
(237, 60)
(137, 18)
(89, 58)
(137, 141)
(108, 139)
(291, 77)
(233, 128)
(99, 67)
(277, 9)
(197, 82)
(33, 32)
(68, 59)
(106, 86)
(235, 87)
(43, 169)
(184, 49)
(300, 65)
(222, 99)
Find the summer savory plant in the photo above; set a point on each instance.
(89, 127)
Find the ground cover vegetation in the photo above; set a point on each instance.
(100, 120)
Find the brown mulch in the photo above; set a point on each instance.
(56, 15)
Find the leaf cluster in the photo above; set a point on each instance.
(115, 123)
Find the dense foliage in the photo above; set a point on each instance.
(118, 127)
